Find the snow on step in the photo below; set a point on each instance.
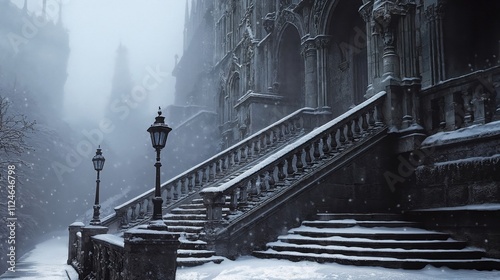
(188, 229)
(358, 239)
(480, 264)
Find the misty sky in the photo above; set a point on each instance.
(151, 30)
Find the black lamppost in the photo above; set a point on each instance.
(98, 161)
(159, 132)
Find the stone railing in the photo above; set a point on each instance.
(272, 177)
(185, 186)
(140, 252)
(108, 257)
(462, 101)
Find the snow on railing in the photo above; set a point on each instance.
(188, 183)
(108, 261)
(279, 170)
(461, 101)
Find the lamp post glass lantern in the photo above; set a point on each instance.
(159, 133)
(98, 161)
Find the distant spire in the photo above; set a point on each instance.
(25, 7)
(186, 14)
(59, 22)
(44, 10)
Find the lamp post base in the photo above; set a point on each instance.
(96, 221)
(157, 225)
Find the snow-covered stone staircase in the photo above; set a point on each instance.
(189, 220)
(384, 240)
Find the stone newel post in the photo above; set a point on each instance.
(73, 229)
(150, 254)
(88, 248)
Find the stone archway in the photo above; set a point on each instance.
(291, 67)
(347, 60)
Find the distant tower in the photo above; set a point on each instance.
(25, 7)
(59, 21)
(44, 9)
(186, 22)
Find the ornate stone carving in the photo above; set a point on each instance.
(322, 42)
(318, 8)
(308, 47)
(284, 17)
(268, 22)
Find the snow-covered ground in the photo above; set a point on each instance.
(48, 262)
(267, 269)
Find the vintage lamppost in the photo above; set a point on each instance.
(98, 161)
(159, 133)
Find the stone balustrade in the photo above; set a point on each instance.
(185, 186)
(273, 175)
(462, 101)
(140, 252)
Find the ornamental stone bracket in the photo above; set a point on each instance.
(385, 14)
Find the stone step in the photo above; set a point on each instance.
(183, 253)
(369, 243)
(192, 206)
(434, 254)
(194, 223)
(479, 264)
(191, 261)
(185, 217)
(183, 211)
(372, 233)
(360, 216)
(187, 244)
(345, 223)
(186, 229)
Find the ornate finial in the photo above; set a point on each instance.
(159, 111)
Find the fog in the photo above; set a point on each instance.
(151, 30)
(92, 73)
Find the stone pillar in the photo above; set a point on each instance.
(88, 248)
(322, 44)
(73, 229)
(366, 11)
(311, 76)
(150, 254)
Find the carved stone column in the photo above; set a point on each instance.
(322, 44)
(310, 55)
(366, 13)
(386, 17)
(434, 14)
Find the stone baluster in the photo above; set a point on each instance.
(269, 139)
(371, 119)
(364, 123)
(254, 190)
(190, 182)
(299, 164)
(197, 181)
(149, 207)
(289, 169)
(333, 141)
(233, 201)
(243, 156)
(378, 116)
(168, 196)
(316, 150)
(271, 181)
(357, 130)
(243, 193)
(326, 147)
(350, 137)
(308, 158)
(281, 174)
(263, 186)
(142, 210)
(342, 138)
